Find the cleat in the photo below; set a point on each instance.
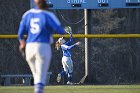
(69, 83)
(59, 78)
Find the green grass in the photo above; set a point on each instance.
(76, 89)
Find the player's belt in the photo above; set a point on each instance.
(67, 56)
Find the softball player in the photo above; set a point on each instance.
(39, 25)
(66, 59)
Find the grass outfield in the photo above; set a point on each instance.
(76, 89)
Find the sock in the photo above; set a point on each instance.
(62, 73)
(70, 77)
(39, 88)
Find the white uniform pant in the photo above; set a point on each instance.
(67, 64)
(38, 56)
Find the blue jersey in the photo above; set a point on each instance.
(66, 47)
(39, 26)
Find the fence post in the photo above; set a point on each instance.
(87, 14)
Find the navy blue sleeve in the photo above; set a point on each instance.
(22, 29)
(65, 47)
(70, 40)
(72, 46)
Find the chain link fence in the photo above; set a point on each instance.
(111, 61)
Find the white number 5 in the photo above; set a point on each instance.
(34, 25)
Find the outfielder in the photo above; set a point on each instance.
(66, 59)
(38, 24)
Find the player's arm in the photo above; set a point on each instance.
(65, 47)
(69, 31)
(21, 39)
(55, 24)
(70, 40)
(21, 33)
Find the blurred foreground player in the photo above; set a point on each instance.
(38, 24)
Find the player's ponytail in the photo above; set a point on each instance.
(41, 4)
(45, 5)
(57, 45)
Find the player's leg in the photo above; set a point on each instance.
(63, 72)
(70, 70)
(30, 57)
(43, 57)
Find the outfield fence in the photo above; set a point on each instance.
(113, 59)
